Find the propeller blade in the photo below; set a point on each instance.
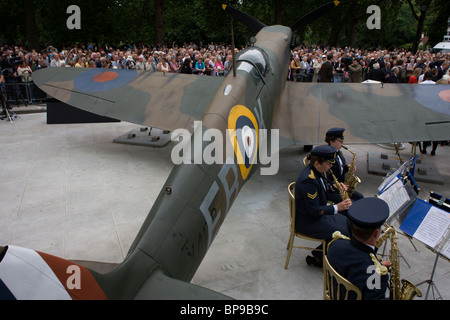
(313, 15)
(249, 21)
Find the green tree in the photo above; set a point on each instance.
(437, 20)
(419, 9)
(155, 22)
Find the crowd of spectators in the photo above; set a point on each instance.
(307, 64)
(212, 59)
(355, 65)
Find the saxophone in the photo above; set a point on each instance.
(351, 180)
(399, 289)
(344, 194)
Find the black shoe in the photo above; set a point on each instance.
(314, 261)
(423, 151)
(433, 153)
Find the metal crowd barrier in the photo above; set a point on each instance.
(23, 92)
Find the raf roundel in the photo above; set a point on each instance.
(433, 97)
(99, 80)
(244, 136)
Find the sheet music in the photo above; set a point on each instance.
(433, 227)
(446, 251)
(399, 173)
(395, 195)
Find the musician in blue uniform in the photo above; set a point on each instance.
(313, 216)
(335, 137)
(352, 258)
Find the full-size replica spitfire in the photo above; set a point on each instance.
(197, 196)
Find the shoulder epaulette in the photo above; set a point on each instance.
(337, 235)
(381, 270)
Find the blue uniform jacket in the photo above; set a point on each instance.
(311, 196)
(352, 260)
(339, 167)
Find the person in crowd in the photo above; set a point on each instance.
(355, 70)
(142, 64)
(317, 64)
(326, 70)
(174, 65)
(209, 67)
(3, 97)
(200, 67)
(428, 78)
(375, 73)
(55, 60)
(163, 65)
(24, 72)
(186, 67)
(218, 67)
(414, 78)
(296, 65)
(393, 76)
(130, 64)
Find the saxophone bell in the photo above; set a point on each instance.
(409, 290)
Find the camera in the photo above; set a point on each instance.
(15, 60)
(347, 61)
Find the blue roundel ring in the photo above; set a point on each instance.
(100, 80)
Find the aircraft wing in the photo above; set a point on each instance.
(370, 113)
(164, 100)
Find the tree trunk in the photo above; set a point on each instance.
(419, 31)
(421, 21)
(159, 25)
(353, 22)
(30, 25)
(278, 11)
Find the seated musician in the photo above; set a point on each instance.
(313, 216)
(335, 137)
(351, 257)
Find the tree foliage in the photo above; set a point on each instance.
(122, 22)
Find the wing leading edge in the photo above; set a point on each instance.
(370, 113)
(164, 100)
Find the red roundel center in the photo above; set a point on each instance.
(445, 95)
(105, 76)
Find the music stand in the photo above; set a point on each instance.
(431, 284)
(431, 226)
(399, 195)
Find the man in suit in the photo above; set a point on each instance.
(313, 216)
(354, 258)
(355, 70)
(326, 71)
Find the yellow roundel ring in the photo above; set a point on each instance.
(244, 136)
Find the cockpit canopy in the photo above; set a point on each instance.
(257, 57)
